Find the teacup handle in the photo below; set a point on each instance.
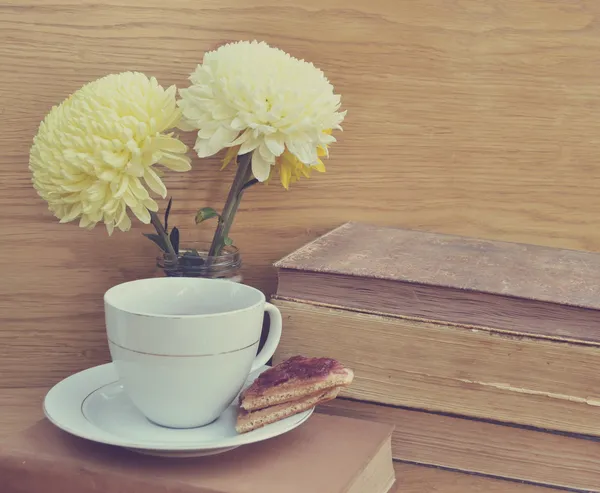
(273, 338)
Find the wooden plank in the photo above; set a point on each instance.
(481, 447)
(537, 382)
(473, 118)
(419, 479)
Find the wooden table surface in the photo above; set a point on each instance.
(19, 408)
(474, 117)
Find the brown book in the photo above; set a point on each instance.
(517, 453)
(328, 454)
(512, 287)
(525, 380)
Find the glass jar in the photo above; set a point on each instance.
(193, 261)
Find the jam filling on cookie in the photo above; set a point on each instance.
(297, 367)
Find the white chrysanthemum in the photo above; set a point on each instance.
(261, 99)
(94, 153)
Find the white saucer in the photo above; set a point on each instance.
(93, 405)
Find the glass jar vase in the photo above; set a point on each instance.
(193, 260)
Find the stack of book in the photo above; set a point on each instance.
(485, 355)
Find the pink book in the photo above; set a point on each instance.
(327, 454)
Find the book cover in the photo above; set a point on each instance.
(339, 453)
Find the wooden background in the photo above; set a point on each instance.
(475, 117)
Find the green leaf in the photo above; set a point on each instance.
(174, 237)
(167, 215)
(157, 239)
(205, 213)
(228, 241)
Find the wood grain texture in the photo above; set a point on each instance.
(20, 408)
(469, 117)
(420, 479)
(543, 383)
(486, 448)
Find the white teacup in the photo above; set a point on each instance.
(183, 347)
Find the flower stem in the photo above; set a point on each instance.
(240, 182)
(155, 220)
(253, 181)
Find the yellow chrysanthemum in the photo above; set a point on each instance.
(93, 155)
(250, 97)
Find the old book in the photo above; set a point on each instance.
(512, 287)
(475, 446)
(544, 383)
(424, 479)
(342, 454)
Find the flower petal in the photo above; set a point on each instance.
(130, 199)
(151, 205)
(124, 223)
(320, 167)
(275, 143)
(122, 187)
(74, 212)
(175, 162)
(115, 159)
(85, 222)
(243, 137)
(232, 152)
(142, 214)
(138, 190)
(186, 125)
(166, 143)
(222, 137)
(260, 168)
(285, 173)
(303, 151)
(155, 183)
(170, 120)
(265, 152)
(322, 151)
(249, 145)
